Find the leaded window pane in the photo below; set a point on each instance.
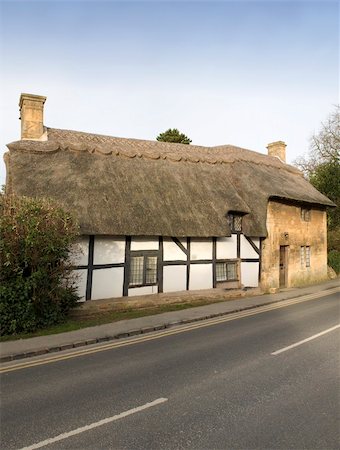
(221, 272)
(302, 257)
(151, 269)
(226, 271)
(231, 271)
(307, 256)
(136, 270)
(237, 223)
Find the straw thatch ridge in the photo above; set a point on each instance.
(118, 186)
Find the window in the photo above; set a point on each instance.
(235, 222)
(226, 271)
(143, 270)
(305, 214)
(305, 256)
(302, 257)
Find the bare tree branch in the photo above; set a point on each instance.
(324, 146)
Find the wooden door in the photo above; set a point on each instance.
(283, 265)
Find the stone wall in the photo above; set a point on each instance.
(286, 227)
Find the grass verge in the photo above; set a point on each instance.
(103, 317)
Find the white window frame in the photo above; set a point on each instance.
(302, 257)
(305, 256)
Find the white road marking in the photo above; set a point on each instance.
(80, 430)
(305, 340)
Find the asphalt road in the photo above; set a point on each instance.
(216, 387)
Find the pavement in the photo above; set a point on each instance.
(25, 348)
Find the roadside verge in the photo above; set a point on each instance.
(25, 348)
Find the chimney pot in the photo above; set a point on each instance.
(277, 149)
(32, 117)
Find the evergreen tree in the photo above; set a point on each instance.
(173, 135)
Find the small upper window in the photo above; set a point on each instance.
(235, 222)
(305, 214)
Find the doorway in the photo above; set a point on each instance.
(283, 265)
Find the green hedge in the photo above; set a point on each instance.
(334, 260)
(37, 288)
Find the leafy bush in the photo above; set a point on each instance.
(334, 260)
(333, 239)
(37, 288)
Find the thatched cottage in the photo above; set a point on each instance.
(162, 217)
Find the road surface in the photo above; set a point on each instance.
(266, 381)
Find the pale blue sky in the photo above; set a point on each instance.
(242, 73)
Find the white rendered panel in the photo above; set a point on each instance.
(108, 250)
(81, 279)
(174, 278)
(144, 243)
(256, 242)
(145, 290)
(226, 248)
(249, 274)
(200, 276)
(201, 249)
(184, 242)
(247, 250)
(172, 252)
(107, 283)
(79, 255)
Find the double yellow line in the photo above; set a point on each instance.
(169, 332)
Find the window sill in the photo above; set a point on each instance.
(142, 285)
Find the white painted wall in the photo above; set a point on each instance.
(247, 250)
(200, 276)
(201, 249)
(109, 250)
(143, 290)
(141, 243)
(226, 248)
(174, 278)
(107, 283)
(171, 251)
(184, 242)
(250, 274)
(81, 279)
(256, 241)
(79, 255)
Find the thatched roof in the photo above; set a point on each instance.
(119, 186)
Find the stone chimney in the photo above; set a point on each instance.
(277, 149)
(32, 117)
